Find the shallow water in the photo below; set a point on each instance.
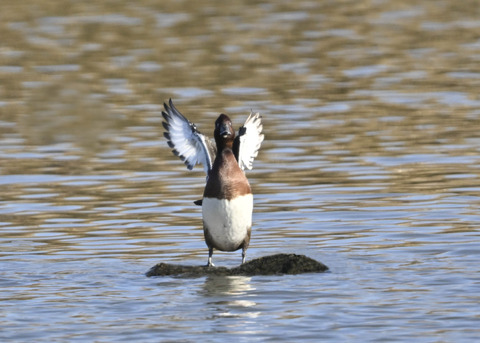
(370, 164)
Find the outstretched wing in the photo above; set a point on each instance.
(248, 141)
(186, 141)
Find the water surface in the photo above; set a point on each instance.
(370, 164)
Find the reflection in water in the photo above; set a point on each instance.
(230, 297)
(371, 110)
(227, 285)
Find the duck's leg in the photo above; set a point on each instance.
(244, 255)
(246, 242)
(210, 253)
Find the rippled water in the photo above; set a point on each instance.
(370, 164)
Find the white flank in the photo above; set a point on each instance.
(228, 220)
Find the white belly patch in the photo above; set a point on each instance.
(227, 221)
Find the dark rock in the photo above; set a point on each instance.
(267, 265)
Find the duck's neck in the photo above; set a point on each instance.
(223, 144)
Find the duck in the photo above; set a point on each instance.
(227, 202)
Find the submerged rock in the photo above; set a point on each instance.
(267, 265)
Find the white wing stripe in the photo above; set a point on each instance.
(250, 140)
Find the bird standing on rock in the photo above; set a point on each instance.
(227, 202)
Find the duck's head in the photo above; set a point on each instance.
(224, 133)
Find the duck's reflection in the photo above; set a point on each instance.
(230, 296)
(216, 285)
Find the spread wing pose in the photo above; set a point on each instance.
(227, 202)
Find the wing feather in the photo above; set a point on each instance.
(185, 140)
(248, 141)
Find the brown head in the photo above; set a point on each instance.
(224, 133)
